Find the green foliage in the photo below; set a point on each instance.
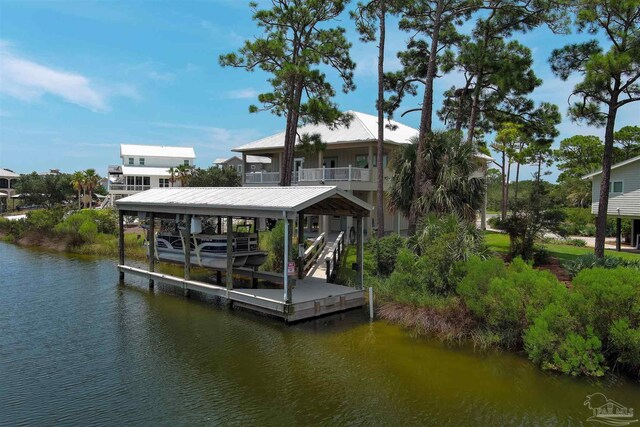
(448, 183)
(628, 141)
(273, 243)
(83, 226)
(44, 190)
(385, 251)
(43, 220)
(587, 261)
(215, 177)
(578, 355)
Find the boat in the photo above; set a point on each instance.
(210, 250)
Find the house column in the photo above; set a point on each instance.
(370, 218)
(152, 246)
(320, 157)
(370, 158)
(244, 168)
(618, 234)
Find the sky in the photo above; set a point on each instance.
(79, 78)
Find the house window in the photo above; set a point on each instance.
(361, 161)
(616, 187)
(146, 180)
(186, 162)
(239, 168)
(164, 182)
(385, 160)
(141, 161)
(130, 160)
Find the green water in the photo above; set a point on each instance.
(78, 349)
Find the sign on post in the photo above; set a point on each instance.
(291, 268)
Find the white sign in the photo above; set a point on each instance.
(291, 268)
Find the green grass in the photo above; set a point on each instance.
(499, 242)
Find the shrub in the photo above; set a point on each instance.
(385, 251)
(273, 243)
(509, 302)
(573, 267)
(578, 355)
(44, 220)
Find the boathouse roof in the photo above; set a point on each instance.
(263, 202)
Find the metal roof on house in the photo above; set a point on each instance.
(363, 127)
(6, 173)
(270, 202)
(157, 151)
(145, 171)
(617, 165)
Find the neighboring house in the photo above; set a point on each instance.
(144, 167)
(349, 162)
(252, 163)
(624, 194)
(8, 180)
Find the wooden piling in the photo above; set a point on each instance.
(300, 242)
(229, 253)
(359, 252)
(187, 251)
(152, 246)
(121, 243)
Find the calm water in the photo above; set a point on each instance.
(77, 349)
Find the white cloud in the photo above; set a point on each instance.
(241, 93)
(28, 80)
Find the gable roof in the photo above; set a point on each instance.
(269, 202)
(617, 165)
(6, 173)
(363, 127)
(157, 151)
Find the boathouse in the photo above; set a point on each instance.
(293, 295)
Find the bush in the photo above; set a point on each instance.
(44, 220)
(573, 267)
(273, 243)
(385, 251)
(511, 300)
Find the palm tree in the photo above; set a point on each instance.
(172, 175)
(448, 185)
(91, 181)
(184, 174)
(77, 180)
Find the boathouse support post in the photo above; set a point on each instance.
(121, 243)
(229, 254)
(186, 246)
(359, 252)
(219, 232)
(152, 246)
(300, 245)
(287, 291)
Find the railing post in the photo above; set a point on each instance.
(323, 173)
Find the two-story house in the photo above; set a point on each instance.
(624, 194)
(252, 163)
(349, 161)
(146, 166)
(8, 179)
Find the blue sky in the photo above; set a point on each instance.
(79, 78)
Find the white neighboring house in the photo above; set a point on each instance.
(624, 194)
(8, 179)
(144, 167)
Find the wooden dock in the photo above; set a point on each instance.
(311, 297)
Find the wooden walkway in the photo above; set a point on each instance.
(311, 297)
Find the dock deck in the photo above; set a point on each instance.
(311, 297)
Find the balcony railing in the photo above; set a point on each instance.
(125, 187)
(312, 175)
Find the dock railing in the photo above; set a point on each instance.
(334, 257)
(312, 253)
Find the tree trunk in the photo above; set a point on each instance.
(380, 151)
(291, 134)
(515, 195)
(603, 202)
(426, 118)
(503, 205)
(506, 188)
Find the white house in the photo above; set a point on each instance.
(624, 194)
(144, 167)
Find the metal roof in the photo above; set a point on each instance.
(6, 173)
(265, 202)
(363, 127)
(157, 151)
(145, 171)
(617, 165)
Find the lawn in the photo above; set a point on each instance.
(499, 242)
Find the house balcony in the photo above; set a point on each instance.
(128, 188)
(347, 178)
